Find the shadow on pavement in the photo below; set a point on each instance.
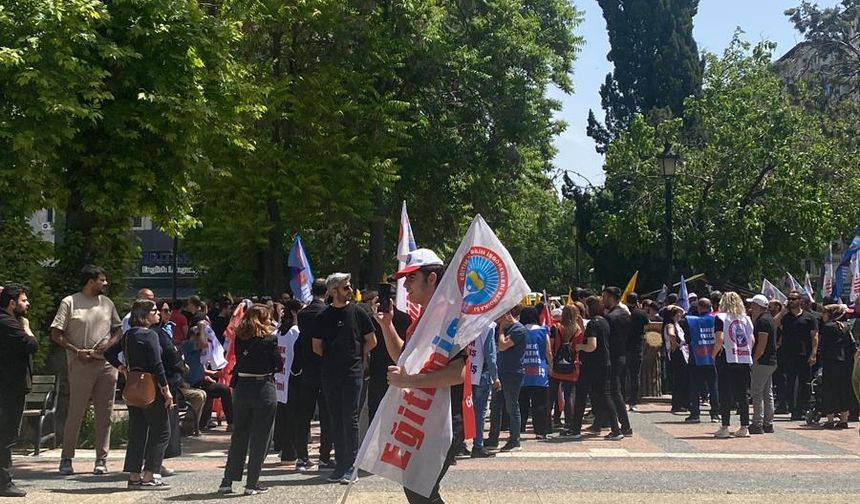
(89, 491)
(204, 496)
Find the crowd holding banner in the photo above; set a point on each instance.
(452, 341)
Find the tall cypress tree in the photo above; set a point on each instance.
(656, 63)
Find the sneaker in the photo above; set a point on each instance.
(617, 436)
(66, 467)
(594, 429)
(511, 447)
(481, 452)
(464, 452)
(692, 420)
(10, 490)
(165, 472)
(842, 425)
(575, 436)
(716, 419)
(155, 484)
(491, 446)
(100, 467)
(303, 465)
(335, 477)
(326, 464)
(723, 433)
(767, 428)
(627, 432)
(133, 485)
(742, 432)
(634, 408)
(348, 477)
(756, 429)
(226, 487)
(540, 437)
(256, 489)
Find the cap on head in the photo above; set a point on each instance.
(417, 259)
(760, 300)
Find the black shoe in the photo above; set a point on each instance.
(226, 487)
(100, 467)
(767, 428)
(511, 447)
(10, 490)
(627, 432)
(491, 446)
(155, 484)
(335, 477)
(691, 420)
(256, 489)
(327, 463)
(464, 452)
(594, 429)
(66, 467)
(842, 425)
(756, 429)
(482, 452)
(614, 436)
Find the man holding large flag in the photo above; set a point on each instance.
(410, 440)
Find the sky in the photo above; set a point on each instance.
(713, 28)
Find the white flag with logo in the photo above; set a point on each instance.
(855, 280)
(411, 433)
(771, 292)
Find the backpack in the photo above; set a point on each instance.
(563, 361)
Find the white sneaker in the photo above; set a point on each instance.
(743, 432)
(723, 433)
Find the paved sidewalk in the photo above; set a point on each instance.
(665, 461)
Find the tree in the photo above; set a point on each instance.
(655, 60)
(114, 104)
(749, 197)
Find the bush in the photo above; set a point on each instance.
(118, 431)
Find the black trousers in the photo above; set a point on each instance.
(703, 377)
(456, 443)
(376, 389)
(312, 396)
(213, 391)
(634, 371)
(798, 373)
(594, 382)
(174, 444)
(617, 377)
(733, 382)
(148, 434)
(534, 400)
(342, 395)
(256, 401)
(288, 437)
(680, 381)
(11, 409)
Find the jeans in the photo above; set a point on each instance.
(703, 376)
(376, 389)
(256, 402)
(480, 396)
(634, 371)
(534, 399)
(567, 400)
(312, 397)
(618, 373)
(213, 391)
(761, 389)
(734, 380)
(510, 397)
(342, 395)
(11, 409)
(148, 434)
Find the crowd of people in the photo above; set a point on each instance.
(294, 361)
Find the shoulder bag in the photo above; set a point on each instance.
(139, 390)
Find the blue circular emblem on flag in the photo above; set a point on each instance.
(482, 279)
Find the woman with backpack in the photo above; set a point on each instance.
(835, 346)
(565, 364)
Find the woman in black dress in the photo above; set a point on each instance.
(835, 345)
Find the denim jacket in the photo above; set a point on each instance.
(490, 372)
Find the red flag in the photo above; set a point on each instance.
(545, 314)
(468, 404)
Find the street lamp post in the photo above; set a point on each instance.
(668, 163)
(578, 278)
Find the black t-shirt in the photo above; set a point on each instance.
(619, 331)
(219, 325)
(797, 333)
(311, 362)
(379, 358)
(342, 332)
(597, 328)
(638, 322)
(457, 398)
(766, 324)
(17, 349)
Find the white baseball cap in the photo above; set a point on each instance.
(417, 259)
(758, 299)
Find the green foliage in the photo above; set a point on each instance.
(755, 192)
(655, 61)
(118, 430)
